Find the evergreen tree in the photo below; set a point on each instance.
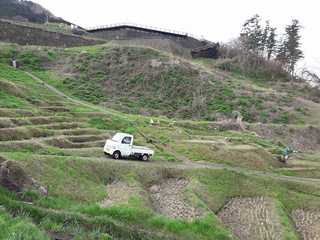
(282, 53)
(271, 42)
(289, 52)
(264, 37)
(252, 34)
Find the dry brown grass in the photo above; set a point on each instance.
(7, 112)
(87, 138)
(49, 120)
(56, 109)
(12, 134)
(62, 142)
(79, 132)
(29, 146)
(20, 121)
(11, 88)
(62, 126)
(2, 159)
(6, 123)
(302, 138)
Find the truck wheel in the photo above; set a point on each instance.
(145, 157)
(116, 155)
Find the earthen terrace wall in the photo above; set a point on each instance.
(24, 35)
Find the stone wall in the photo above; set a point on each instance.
(24, 35)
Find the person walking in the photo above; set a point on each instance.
(14, 62)
(286, 154)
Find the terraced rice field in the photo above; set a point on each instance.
(119, 192)
(168, 199)
(307, 224)
(49, 129)
(252, 218)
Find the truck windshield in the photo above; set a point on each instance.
(126, 140)
(116, 138)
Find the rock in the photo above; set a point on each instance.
(14, 178)
(155, 63)
(155, 189)
(43, 191)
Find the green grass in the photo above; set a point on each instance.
(244, 156)
(113, 123)
(61, 183)
(15, 75)
(289, 231)
(220, 185)
(9, 101)
(16, 228)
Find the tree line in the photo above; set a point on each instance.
(263, 40)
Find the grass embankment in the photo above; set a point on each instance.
(19, 228)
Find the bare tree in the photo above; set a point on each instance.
(311, 77)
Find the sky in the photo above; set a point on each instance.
(218, 21)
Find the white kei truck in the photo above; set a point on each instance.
(121, 146)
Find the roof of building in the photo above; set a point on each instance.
(139, 28)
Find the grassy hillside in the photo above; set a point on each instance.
(26, 11)
(202, 171)
(145, 81)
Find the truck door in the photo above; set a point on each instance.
(126, 145)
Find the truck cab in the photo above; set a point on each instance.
(121, 146)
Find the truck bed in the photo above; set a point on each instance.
(140, 148)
